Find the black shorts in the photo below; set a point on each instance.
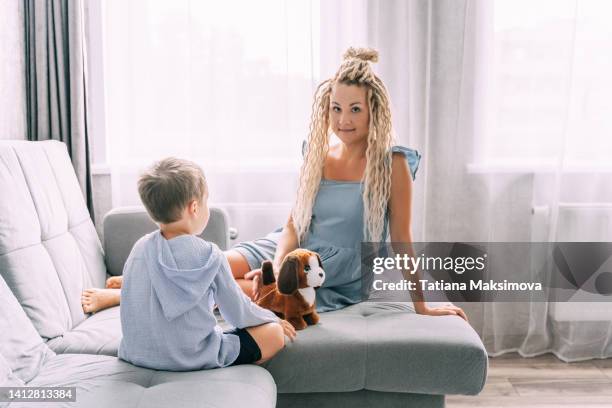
(249, 350)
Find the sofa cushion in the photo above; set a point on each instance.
(104, 381)
(98, 334)
(21, 347)
(49, 249)
(327, 357)
(382, 347)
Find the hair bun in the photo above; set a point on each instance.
(364, 54)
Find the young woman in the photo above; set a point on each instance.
(349, 193)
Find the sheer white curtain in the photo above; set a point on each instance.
(226, 84)
(550, 82)
(506, 100)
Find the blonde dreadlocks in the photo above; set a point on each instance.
(355, 70)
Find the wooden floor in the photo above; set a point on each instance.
(541, 382)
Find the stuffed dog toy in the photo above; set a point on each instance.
(293, 297)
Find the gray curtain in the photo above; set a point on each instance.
(55, 65)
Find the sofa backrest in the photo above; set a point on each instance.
(49, 249)
(125, 225)
(22, 351)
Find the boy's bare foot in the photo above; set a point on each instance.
(114, 282)
(94, 300)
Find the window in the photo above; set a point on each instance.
(227, 84)
(549, 83)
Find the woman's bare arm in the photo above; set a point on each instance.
(400, 206)
(287, 243)
(401, 234)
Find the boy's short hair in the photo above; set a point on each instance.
(168, 186)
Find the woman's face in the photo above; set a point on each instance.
(349, 113)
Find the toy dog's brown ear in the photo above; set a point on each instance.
(320, 263)
(288, 276)
(267, 273)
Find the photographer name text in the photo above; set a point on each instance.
(480, 285)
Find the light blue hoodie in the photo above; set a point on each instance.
(167, 298)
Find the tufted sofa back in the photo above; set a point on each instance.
(49, 249)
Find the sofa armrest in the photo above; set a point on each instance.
(125, 225)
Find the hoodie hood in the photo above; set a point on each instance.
(181, 271)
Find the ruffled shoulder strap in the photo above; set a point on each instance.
(412, 156)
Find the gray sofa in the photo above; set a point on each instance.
(370, 354)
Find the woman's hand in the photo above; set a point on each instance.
(255, 276)
(442, 311)
(288, 329)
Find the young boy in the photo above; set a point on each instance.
(172, 280)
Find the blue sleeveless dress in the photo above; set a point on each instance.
(336, 234)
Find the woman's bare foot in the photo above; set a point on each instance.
(114, 282)
(94, 300)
